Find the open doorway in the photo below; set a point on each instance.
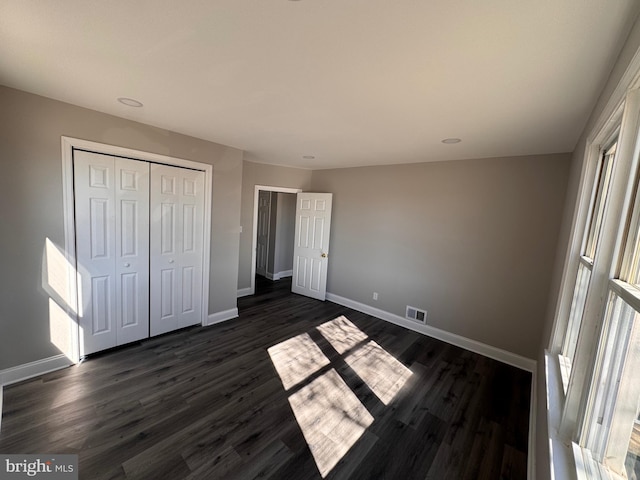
(273, 235)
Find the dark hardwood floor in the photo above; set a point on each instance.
(208, 403)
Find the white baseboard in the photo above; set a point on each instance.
(1, 388)
(459, 341)
(279, 275)
(223, 316)
(285, 274)
(33, 369)
(245, 292)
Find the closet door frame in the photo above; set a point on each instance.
(70, 144)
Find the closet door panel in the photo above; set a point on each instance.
(177, 207)
(132, 250)
(112, 242)
(94, 177)
(164, 204)
(191, 245)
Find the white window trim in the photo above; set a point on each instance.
(579, 222)
(605, 266)
(599, 420)
(605, 149)
(608, 432)
(610, 243)
(574, 320)
(628, 293)
(588, 468)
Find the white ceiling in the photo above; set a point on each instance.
(352, 82)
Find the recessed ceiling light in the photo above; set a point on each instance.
(451, 140)
(130, 102)
(308, 157)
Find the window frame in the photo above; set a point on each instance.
(622, 343)
(609, 261)
(600, 421)
(599, 195)
(598, 203)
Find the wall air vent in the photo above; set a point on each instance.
(416, 315)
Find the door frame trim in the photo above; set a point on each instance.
(254, 235)
(68, 145)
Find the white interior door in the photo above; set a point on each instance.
(177, 216)
(311, 248)
(264, 220)
(112, 241)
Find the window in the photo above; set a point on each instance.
(600, 191)
(611, 428)
(608, 410)
(597, 332)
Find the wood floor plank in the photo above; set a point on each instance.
(265, 464)
(215, 465)
(485, 461)
(411, 412)
(204, 403)
(408, 453)
(514, 463)
(350, 466)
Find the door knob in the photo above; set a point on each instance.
(127, 264)
(324, 255)
(171, 261)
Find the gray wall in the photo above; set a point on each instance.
(259, 174)
(629, 49)
(472, 242)
(32, 211)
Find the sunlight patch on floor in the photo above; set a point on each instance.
(296, 359)
(342, 334)
(331, 418)
(384, 375)
(330, 415)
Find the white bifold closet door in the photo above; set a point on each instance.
(112, 245)
(139, 249)
(177, 207)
